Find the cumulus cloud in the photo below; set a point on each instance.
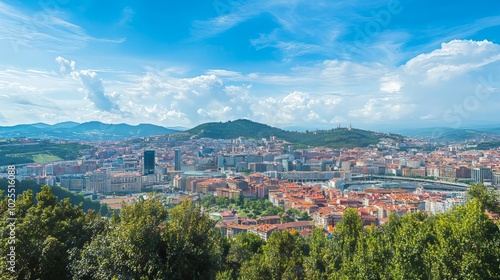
(453, 59)
(65, 64)
(441, 83)
(296, 107)
(92, 85)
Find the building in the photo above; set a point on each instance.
(227, 192)
(463, 172)
(263, 231)
(177, 159)
(125, 182)
(149, 162)
(413, 172)
(287, 165)
(479, 174)
(98, 182)
(73, 182)
(257, 167)
(495, 180)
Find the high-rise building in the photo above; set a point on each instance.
(463, 172)
(480, 174)
(149, 162)
(287, 165)
(495, 179)
(177, 159)
(221, 162)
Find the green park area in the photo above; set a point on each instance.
(42, 158)
(251, 208)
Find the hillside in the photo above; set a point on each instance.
(89, 131)
(28, 151)
(446, 134)
(334, 138)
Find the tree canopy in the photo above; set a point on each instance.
(56, 239)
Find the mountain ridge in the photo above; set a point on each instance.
(87, 131)
(95, 130)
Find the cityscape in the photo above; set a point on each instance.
(388, 177)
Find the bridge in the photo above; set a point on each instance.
(372, 179)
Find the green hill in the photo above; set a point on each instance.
(333, 138)
(19, 151)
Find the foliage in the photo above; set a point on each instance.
(193, 244)
(57, 240)
(61, 193)
(242, 248)
(129, 249)
(489, 198)
(45, 233)
(255, 207)
(488, 145)
(281, 258)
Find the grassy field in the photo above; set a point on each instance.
(42, 158)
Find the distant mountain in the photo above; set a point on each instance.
(453, 134)
(88, 131)
(65, 125)
(334, 138)
(178, 128)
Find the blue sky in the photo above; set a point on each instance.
(315, 64)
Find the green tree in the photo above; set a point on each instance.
(241, 250)
(372, 256)
(304, 217)
(46, 233)
(281, 258)
(315, 263)
(255, 269)
(243, 246)
(489, 198)
(466, 244)
(410, 248)
(343, 246)
(193, 244)
(130, 249)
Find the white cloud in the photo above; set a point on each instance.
(44, 29)
(390, 84)
(65, 63)
(92, 85)
(453, 58)
(296, 107)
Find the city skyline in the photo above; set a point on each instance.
(371, 63)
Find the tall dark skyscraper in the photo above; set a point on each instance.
(177, 159)
(149, 162)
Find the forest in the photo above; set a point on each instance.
(54, 239)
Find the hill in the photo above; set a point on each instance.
(28, 151)
(446, 134)
(89, 131)
(333, 138)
